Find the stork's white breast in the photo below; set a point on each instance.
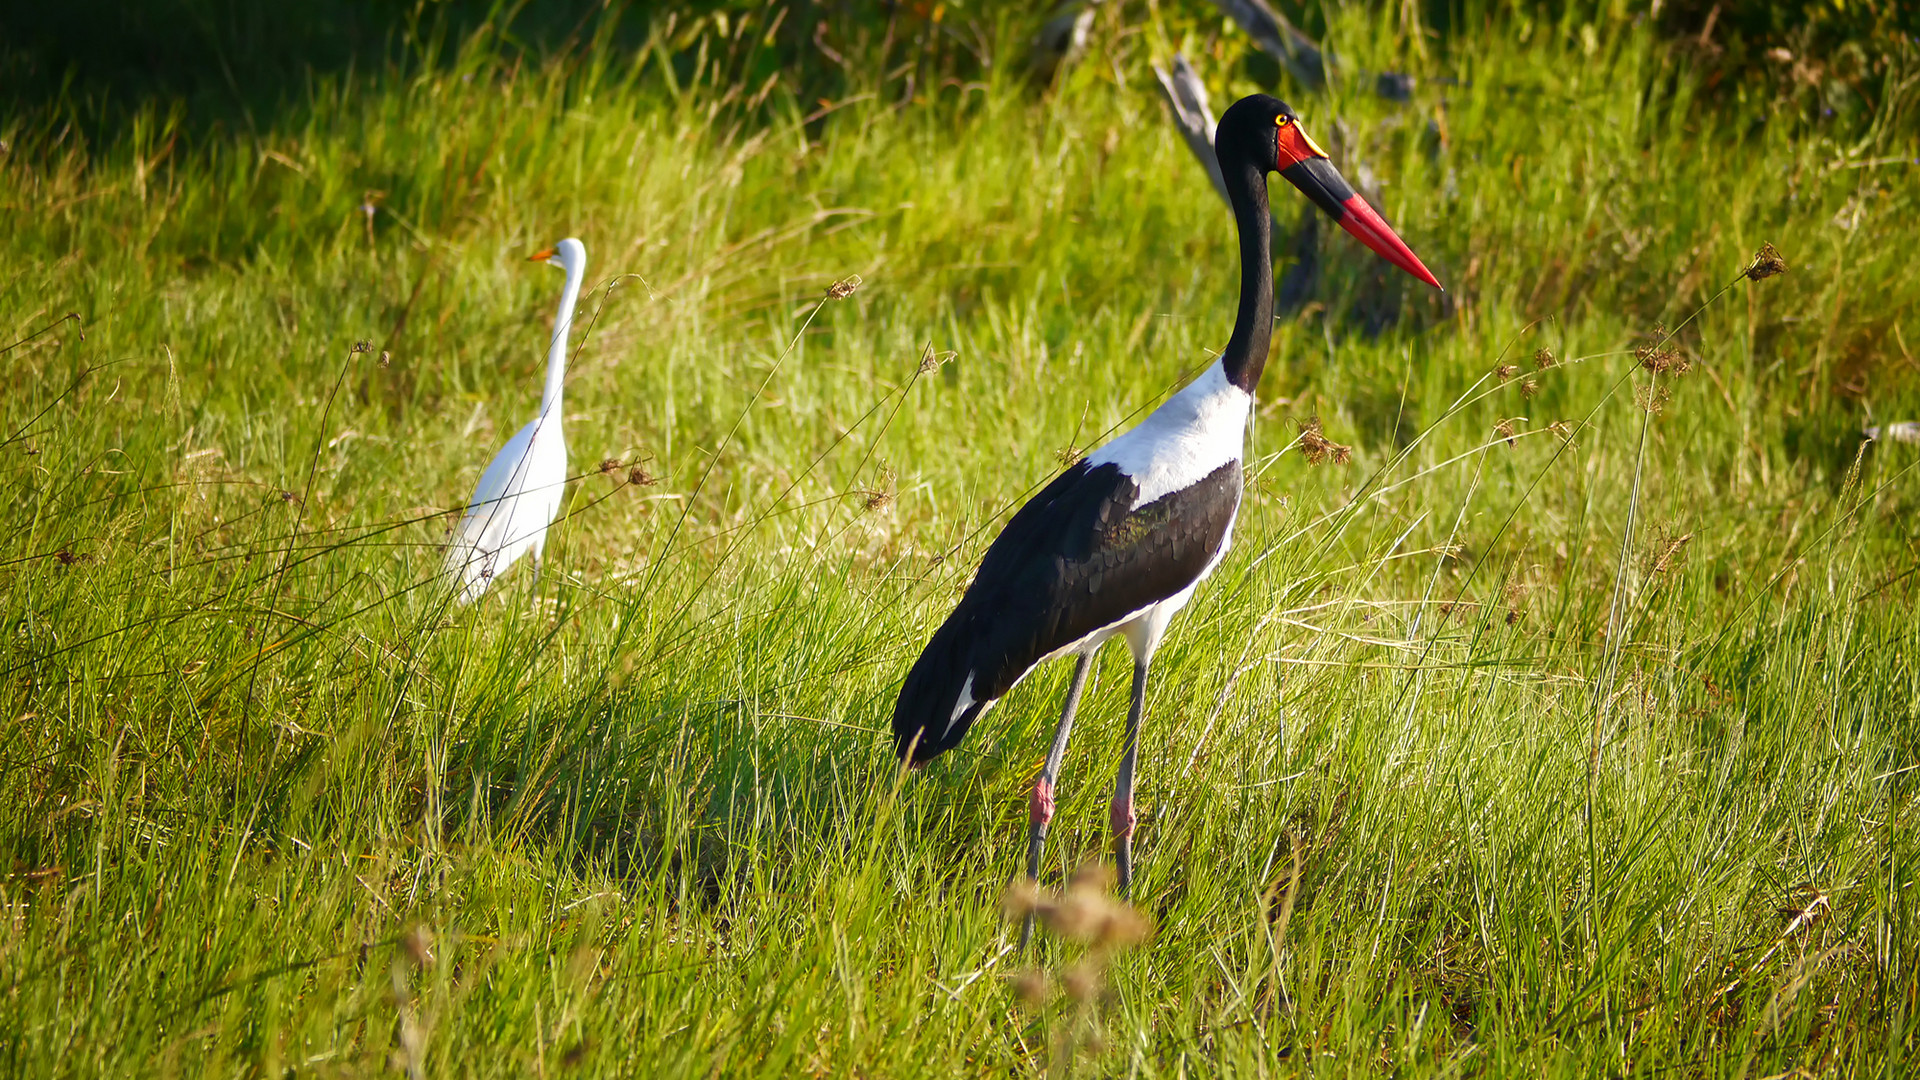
(1183, 441)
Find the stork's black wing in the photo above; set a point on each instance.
(1074, 559)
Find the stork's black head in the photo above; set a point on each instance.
(1263, 131)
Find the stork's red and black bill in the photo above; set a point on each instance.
(1306, 167)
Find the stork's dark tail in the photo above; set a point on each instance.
(942, 696)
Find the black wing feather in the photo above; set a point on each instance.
(1072, 560)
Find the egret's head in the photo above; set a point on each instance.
(568, 254)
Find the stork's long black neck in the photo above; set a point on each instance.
(1246, 354)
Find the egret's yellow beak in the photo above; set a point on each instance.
(541, 256)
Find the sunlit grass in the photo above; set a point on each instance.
(273, 804)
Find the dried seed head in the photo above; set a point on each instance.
(1082, 980)
(1318, 448)
(1030, 986)
(1124, 927)
(1529, 388)
(1505, 372)
(879, 497)
(638, 475)
(1543, 358)
(1068, 454)
(385, 358)
(1561, 428)
(1078, 916)
(931, 361)
(1021, 899)
(1085, 907)
(1663, 359)
(66, 556)
(844, 288)
(1811, 909)
(1094, 875)
(362, 346)
(1651, 398)
(1088, 913)
(1669, 552)
(417, 945)
(1509, 427)
(1516, 596)
(1766, 263)
(610, 464)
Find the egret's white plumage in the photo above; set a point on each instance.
(519, 493)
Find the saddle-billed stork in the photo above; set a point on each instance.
(1117, 543)
(520, 491)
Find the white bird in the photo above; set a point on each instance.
(520, 492)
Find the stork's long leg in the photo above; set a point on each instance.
(1040, 809)
(1121, 815)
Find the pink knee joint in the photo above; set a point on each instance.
(1040, 808)
(1121, 817)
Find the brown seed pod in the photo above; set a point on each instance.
(1317, 448)
(1082, 981)
(1021, 899)
(1030, 986)
(1663, 359)
(1766, 263)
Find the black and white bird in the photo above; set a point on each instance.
(1116, 545)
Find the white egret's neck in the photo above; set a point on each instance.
(572, 257)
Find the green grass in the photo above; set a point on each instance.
(272, 806)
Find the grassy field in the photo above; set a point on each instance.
(1569, 728)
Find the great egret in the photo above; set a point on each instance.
(520, 492)
(1118, 543)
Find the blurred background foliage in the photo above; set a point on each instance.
(234, 63)
(1818, 102)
